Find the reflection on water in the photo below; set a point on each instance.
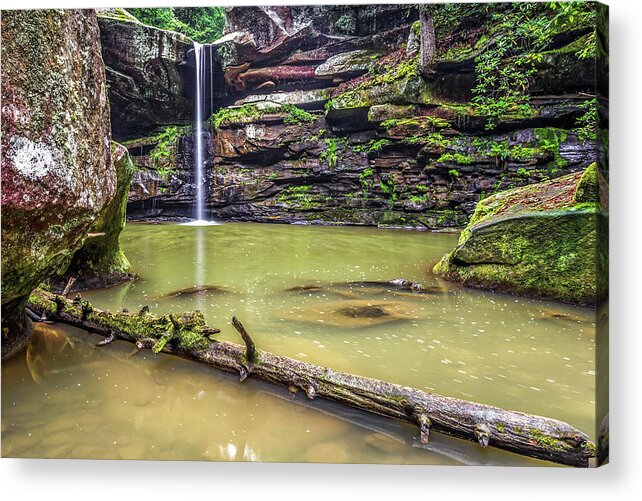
(288, 284)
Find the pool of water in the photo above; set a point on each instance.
(300, 292)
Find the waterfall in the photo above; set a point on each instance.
(199, 168)
(211, 81)
(198, 136)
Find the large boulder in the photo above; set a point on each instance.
(542, 240)
(100, 262)
(57, 173)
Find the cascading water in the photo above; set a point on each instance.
(198, 136)
(199, 101)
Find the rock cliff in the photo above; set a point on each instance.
(150, 73)
(326, 120)
(57, 173)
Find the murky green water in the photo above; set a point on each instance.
(69, 399)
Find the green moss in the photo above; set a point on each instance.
(419, 199)
(390, 84)
(457, 158)
(117, 14)
(432, 139)
(397, 122)
(101, 258)
(424, 122)
(184, 331)
(297, 116)
(517, 242)
(550, 442)
(365, 179)
(247, 113)
(298, 197)
(163, 155)
(588, 188)
(448, 217)
(374, 146)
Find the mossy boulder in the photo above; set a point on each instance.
(100, 262)
(346, 64)
(537, 241)
(588, 189)
(57, 173)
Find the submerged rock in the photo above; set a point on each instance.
(540, 240)
(57, 173)
(355, 313)
(386, 443)
(197, 289)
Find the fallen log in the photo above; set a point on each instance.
(186, 335)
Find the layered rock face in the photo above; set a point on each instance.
(542, 240)
(57, 173)
(331, 123)
(150, 74)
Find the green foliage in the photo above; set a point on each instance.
(297, 116)
(431, 139)
(374, 146)
(390, 189)
(454, 173)
(163, 152)
(499, 149)
(574, 15)
(457, 158)
(448, 216)
(227, 115)
(297, 195)
(419, 199)
(520, 152)
(346, 24)
(586, 124)
(448, 16)
(520, 35)
(201, 24)
(550, 140)
(365, 179)
(523, 173)
(331, 152)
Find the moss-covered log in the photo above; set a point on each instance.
(188, 336)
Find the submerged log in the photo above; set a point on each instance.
(521, 433)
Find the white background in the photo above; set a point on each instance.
(79, 479)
